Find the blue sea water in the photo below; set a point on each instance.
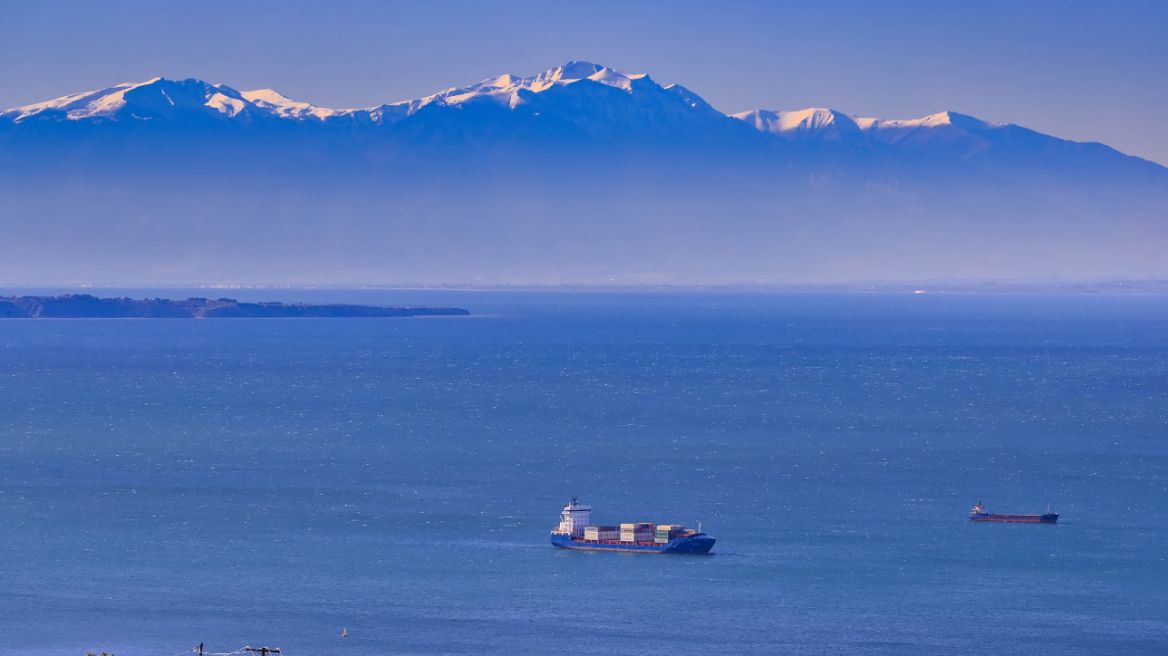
(273, 482)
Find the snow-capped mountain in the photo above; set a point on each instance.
(154, 100)
(965, 135)
(578, 174)
(581, 91)
(283, 107)
(825, 124)
(578, 97)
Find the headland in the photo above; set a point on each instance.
(85, 306)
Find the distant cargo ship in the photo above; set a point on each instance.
(979, 514)
(575, 533)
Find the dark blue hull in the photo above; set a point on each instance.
(1048, 518)
(692, 544)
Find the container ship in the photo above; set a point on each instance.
(574, 532)
(979, 514)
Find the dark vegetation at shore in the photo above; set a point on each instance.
(85, 306)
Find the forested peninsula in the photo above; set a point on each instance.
(85, 306)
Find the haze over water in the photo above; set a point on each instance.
(170, 482)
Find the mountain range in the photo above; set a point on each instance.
(580, 174)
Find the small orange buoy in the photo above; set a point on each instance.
(344, 633)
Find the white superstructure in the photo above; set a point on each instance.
(574, 519)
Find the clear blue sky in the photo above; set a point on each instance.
(1089, 71)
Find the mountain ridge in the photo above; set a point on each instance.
(155, 100)
(578, 175)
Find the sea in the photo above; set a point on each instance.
(387, 486)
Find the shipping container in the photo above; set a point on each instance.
(601, 533)
(627, 536)
(667, 532)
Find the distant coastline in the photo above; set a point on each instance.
(86, 306)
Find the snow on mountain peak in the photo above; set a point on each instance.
(285, 107)
(162, 98)
(507, 90)
(826, 124)
(572, 94)
(154, 98)
(939, 120)
(503, 88)
(830, 125)
(576, 70)
(226, 104)
(609, 77)
(78, 105)
(573, 71)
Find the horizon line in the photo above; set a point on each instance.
(1125, 286)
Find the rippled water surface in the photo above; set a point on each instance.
(170, 482)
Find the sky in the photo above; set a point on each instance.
(1087, 71)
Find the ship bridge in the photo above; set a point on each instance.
(574, 518)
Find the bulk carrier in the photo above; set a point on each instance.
(980, 514)
(575, 533)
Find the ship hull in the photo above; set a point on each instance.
(699, 544)
(1049, 518)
